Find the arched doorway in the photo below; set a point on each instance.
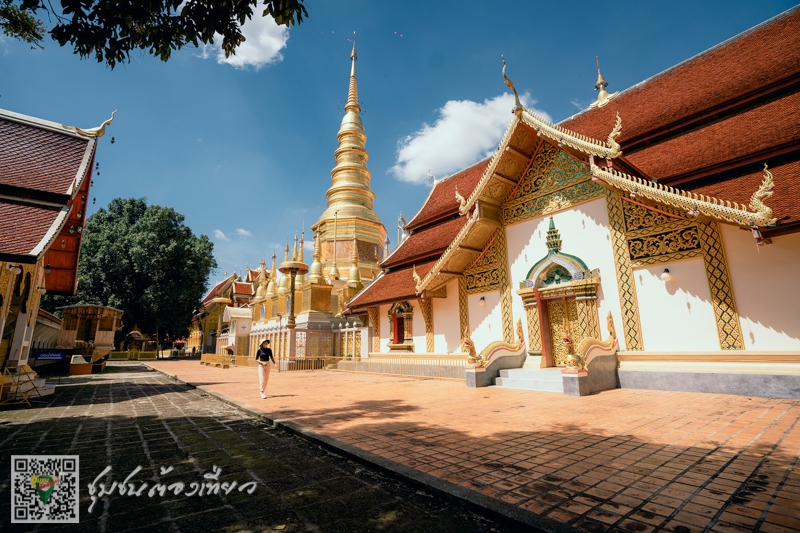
(560, 299)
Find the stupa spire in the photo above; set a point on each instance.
(350, 199)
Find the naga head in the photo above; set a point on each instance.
(765, 190)
(763, 193)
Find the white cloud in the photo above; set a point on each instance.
(243, 233)
(219, 235)
(465, 132)
(264, 40)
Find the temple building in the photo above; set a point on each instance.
(642, 243)
(45, 179)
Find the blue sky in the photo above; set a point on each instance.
(244, 148)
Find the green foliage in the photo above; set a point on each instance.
(21, 24)
(110, 31)
(144, 260)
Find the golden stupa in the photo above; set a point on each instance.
(349, 221)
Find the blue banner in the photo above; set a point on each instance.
(50, 356)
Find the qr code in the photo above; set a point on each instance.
(44, 489)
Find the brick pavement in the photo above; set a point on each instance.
(132, 416)
(622, 460)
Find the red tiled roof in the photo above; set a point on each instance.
(394, 286)
(756, 59)
(785, 201)
(425, 242)
(213, 292)
(22, 227)
(442, 200)
(37, 158)
(242, 288)
(751, 131)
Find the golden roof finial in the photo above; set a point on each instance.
(286, 252)
(603, 97)
(294, 249)
(92, 133)
(517, 106)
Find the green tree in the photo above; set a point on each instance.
(145, 261)
(110, 31)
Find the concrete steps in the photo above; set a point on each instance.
(526, 378)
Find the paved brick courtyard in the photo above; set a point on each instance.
(622, 460)
(132, 416)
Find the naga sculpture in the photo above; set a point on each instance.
(696, 203)
(578, 356)
(460, 199)
(493, 349)
(612, 137)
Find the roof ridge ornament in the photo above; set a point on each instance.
(603, 97)
(517, 105)
(92, 133)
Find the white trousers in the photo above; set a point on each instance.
(263, 377)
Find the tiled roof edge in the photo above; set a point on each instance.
(52, 233)
(430, 193)
(714, 48)
(39, 123)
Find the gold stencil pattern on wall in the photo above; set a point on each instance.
(374, 319)
(719, 282)
(505, 287)
(631, 324)
(426, 306)
(534, 329)
(587, 320)
(664, 243)
(463, 308)
(485, 275)
(639, 217)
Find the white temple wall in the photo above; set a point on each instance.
(765, 288)
(418, 327)
(447, 334)
(383, 317)
(585, 234)
(676, 315)
(485, 319)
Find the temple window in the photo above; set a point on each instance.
(401, 315)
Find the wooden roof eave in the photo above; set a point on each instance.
(465, 248)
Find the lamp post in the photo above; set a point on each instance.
(292, 268)
(280, 334)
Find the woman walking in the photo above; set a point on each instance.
(263, 357)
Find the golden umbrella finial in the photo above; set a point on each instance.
(603, 97)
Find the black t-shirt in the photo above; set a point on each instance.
(264, 354)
